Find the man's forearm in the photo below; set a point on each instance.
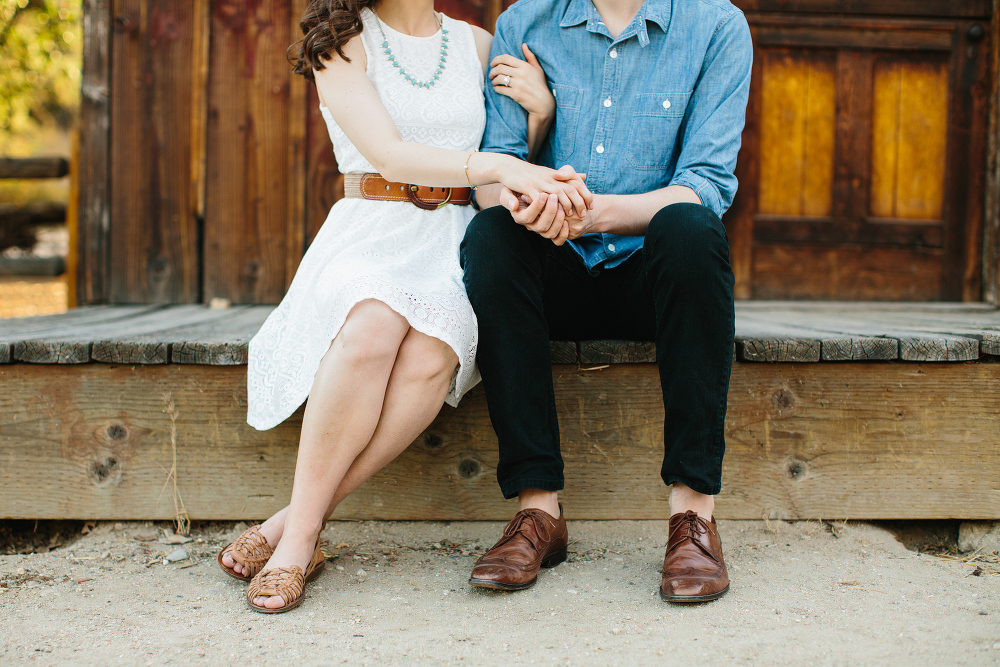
(629, 215)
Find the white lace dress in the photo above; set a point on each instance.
(394, 252)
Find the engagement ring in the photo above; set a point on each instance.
(506, 80)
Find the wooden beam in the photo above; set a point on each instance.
(94, 170)
(39, 213)
(805, 441)
(33, 167)
(154, 247)
(931, 8)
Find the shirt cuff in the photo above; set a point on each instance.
(706, 190)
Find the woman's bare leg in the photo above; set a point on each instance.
(415, 392)
(343, 409)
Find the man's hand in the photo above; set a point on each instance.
(545, 215)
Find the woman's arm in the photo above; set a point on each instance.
(528, 86)
(346, 91)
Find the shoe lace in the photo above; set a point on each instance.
(689, 529)
(514, 528)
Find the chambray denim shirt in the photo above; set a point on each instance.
(663, 104)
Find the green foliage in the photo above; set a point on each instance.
(40, 59)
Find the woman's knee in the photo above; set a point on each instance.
(425, 359)
(373, 332)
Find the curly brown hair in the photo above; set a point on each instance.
(327, 25)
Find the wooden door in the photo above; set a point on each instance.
(862, 171)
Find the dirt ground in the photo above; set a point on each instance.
(28, 296)
(396, 593)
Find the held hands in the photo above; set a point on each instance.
(545, 213)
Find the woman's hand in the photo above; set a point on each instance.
(565, 186)
(528, 86)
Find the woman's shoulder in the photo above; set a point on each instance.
(482, 38)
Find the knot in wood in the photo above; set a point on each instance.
(796, 469)
(433, 441)
(116, 431)
(103, 471)
(469, 468)
(783, 399)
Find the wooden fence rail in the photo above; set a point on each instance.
(34, 167)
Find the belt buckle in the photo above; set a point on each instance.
(411, 194)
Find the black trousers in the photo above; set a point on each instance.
(677, 291)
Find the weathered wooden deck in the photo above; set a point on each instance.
(870, 411)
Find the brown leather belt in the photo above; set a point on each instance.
(373, 186)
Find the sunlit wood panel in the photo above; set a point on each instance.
(909, 139)
(798, 108)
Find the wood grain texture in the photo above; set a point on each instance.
(147, 339)
(931, 38)
(94, 169)
(910, 132)
(774, 348)
(251, 134)
(864, 273)
(475, 12)
(854, 134)
(933, 8)
(991, 145)
(833, 230)
(914, 343)
(154, 249)
(739, 219)
(968, 85)
(33, 167)
(324, 182)
(859, 441)
(616, 352)
(67, 339)
(797, 134)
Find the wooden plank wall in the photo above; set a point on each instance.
(187, 193)
(206, 166)
(157, 51)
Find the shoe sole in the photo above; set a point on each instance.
(694, 598)
(549, 561)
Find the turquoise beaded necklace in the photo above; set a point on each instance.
(402, 71)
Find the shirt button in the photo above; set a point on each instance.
(607, 102)
(600, 148)
(666, 104)
(614, 53)
(611, 247)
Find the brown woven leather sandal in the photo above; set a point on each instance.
(250, 550)
(288, 583)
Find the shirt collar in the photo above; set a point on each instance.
(583, 11)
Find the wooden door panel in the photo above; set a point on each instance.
(863, 157)
(909, 139)
(797, 134)
(846, 272)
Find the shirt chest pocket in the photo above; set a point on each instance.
(656, 121)
(563, 133)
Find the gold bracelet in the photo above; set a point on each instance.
(474, 187)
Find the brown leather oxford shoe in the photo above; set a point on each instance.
(693, 569)
(532, 540)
